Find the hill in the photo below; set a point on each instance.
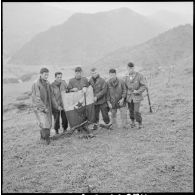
(21, 21)
(168, 48)
(156, 158)
(84, 38)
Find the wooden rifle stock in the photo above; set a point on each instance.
(149, 100)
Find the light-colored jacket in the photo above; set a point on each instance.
(137, 83)
(42, 99)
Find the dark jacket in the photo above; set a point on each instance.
(116, 90)
(137, 83)
(99, 89)
(78, 83)
(57, 89)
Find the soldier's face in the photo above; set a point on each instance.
(78, 75)
(59, 78)
(131, 70)
(94, 74)
(45, 75)
(112, 76)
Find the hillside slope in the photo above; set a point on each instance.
(157, 158)
(84, 38)
(166, 49)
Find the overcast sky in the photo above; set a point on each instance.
(144, 8)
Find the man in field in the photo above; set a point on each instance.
(43, 101)
(136, 85)
(116, 96)
(100, 98)
(57, 87)
(79, 83)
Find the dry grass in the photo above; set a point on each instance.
(157, 158)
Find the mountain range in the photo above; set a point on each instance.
(84, 38)
(22, 21)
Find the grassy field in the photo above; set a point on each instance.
(157, 158)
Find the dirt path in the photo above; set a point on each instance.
(157, 158)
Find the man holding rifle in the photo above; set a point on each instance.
(136, 85)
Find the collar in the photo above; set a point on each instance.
(115, 82)
(44, 82)
(56, 83)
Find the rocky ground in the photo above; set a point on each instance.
(157, 158)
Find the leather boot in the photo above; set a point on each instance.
(132, 123)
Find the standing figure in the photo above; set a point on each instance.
(43, 102)
(116, 98)
(136, 85)
(79, 83)
(57, 87)
(100, 98)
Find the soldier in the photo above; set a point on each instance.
(43, 101)
(100, 98)
(79, 83)
(116, 98)
(57, 87)
(136, 85)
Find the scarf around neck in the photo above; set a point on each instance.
(115, 82)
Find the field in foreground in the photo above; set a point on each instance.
(157, 158)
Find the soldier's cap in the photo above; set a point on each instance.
(43, 70)
(93, 69)
(130, 64)
(78, 69)
(112, 70)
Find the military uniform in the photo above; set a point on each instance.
(42, 99)
(135, 82)
(78, 83)
(116, 91)
(100, 91)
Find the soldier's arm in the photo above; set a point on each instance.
(124, 90)
(64, 86)
(36, 98)
(70, 86)
(143, 84)
(103, 90)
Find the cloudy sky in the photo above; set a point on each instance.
(145, 8)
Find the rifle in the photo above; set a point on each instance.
(85, 106)
(149, 99)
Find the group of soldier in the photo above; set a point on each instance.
(112, 95)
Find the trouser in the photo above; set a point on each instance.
(134, 112)
(123, 116)
(56, 115)
(45, 133)
(104, 110)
